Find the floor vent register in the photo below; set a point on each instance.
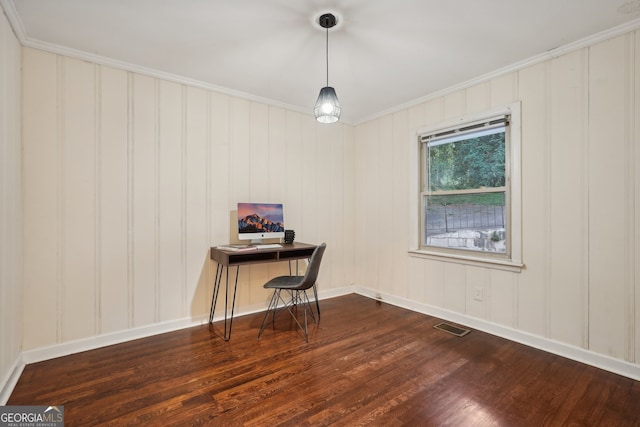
(452, 329)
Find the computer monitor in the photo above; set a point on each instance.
(257, 221)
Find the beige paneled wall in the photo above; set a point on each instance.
(130, 179)
(635, 158)
(10, 205)
(580, 201)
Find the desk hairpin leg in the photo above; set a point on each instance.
(214, 299)
(216, 291)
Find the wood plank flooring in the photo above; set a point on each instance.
(367, 363)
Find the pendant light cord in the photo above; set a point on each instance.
(327, 56)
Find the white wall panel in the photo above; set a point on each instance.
(434, 113)
(240, 154)
(454, 105)
(336, 171)
(78, 198)
(504, 89)
(434, 282)
(309, 178)
(195, 203)
(386, 230)
(359, 225)
(276, 153)
(259, 153)
(370, 214)
(41, 198)
(349, 208)
(113, 200)
(455, 287)
(478, 291)
(399, 177)
(219, 191)
(532, 295)
(219, 124)
(609, 145)
(144, 200)
(635, 149)
(478, 98)
(11, 279)
(568, 197)
(502, 300)
(292, 155)
(171, 153)
(325, 198)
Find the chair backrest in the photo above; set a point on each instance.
(311, 275)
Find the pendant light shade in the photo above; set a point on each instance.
(327, 109)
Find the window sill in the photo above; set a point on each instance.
(499, 264)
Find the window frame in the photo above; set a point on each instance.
(512, 260)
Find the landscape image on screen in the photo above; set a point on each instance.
(260, 218)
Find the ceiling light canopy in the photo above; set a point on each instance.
(327, 109)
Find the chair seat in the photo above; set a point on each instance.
(284, 282)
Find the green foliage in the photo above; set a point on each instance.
(468, 164)
(485, 199)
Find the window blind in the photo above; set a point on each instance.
(487, 127)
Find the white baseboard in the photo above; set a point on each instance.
(578, 354)
(607, 363)
(91, 343)
(11, 380)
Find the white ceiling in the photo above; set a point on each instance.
(382, 54)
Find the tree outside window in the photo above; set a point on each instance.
(465, 194)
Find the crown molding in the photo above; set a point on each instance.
(14, 20)
(26, 41)
(126, 66)
(19, 31)
(550, 54)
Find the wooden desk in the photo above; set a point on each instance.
(225, 259)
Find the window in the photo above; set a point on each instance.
(468, 204)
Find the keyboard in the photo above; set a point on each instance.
(268, 246)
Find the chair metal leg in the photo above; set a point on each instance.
(315, 295)
(307, 303)
(297, 298)
(273, 304)
(306, 327)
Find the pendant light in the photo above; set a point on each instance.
(327, 109)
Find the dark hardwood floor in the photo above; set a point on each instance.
(367, 363)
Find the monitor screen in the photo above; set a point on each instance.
(257, 221)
